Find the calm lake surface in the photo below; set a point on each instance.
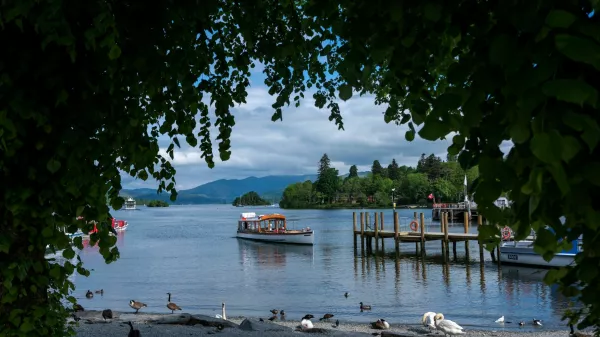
(192, 252)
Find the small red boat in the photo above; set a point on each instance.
(117, 225)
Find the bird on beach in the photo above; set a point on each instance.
(89, 294)
(77, 307)
(107, 313)
(577, 333)
(380, 324)
(172, 306)
(326, 317)
(428, 320)
(274, 311)
(447, 326)
(137, 305)
(308, 316)
(305, 323)
(537, 322)
(133, 332)
(337, 323)
(272, 318)
(364, 306)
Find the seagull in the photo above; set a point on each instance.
(500, 320)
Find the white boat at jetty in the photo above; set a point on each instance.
(130, 204)
(272, 228)
(522, 253)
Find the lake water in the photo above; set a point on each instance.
(192, 252)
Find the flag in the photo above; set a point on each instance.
(430, 196)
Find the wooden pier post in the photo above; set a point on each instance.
(376, 232)
(466, 221)
(381, 229)
(396, 233)
(446, 234)
(442, 220)
(354, 230)
(368, 223)
(422, 225)
(362, 232)
(479, 223)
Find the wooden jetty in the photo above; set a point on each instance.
(456, 211)
(415, 232)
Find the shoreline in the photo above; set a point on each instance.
(91, 324)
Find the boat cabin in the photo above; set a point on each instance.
(250, 222)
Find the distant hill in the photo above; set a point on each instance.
(224, 191)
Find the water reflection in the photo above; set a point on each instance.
(271, 255)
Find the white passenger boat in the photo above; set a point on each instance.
(272, 228)
(522, 253)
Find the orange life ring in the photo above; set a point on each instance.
(506, 233)
(414, 225)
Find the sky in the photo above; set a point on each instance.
(294, 146)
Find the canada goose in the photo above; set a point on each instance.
(77, 307)
(133, 332)
(326, 317)
(364, 306)
(274, 311)
(380, 324)
(107, 313)
(577, 333)
(346, 295)
(137, 305)
(429, 320)
(101, 291)
(89, 294)
(172, 306)
(448, 327)
(537, 322)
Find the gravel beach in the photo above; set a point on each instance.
(92, 325)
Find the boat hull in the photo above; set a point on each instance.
(527, 257)
(302, 238)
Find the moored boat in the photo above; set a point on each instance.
(272, 228)
(522, 253)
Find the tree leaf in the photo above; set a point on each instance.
(573, 91)
(433, 129)
(345, 92)
(578, 49)
(114, 53)
(432, 11)
(53, 165)
(570, 148)
(547, 147)
(519, 133)
(558, 18)
(502, 49)
(409, 135)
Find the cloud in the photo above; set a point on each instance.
(293, 146)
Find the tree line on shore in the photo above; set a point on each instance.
(444, 180)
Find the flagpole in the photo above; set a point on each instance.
(468, 203)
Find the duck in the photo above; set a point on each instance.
(282, 314)
(537, 322)
(346, 294)
(89, 294)
(521, 323)
(447, 326)
(274, 311)
(172, 306)
(337, 323)
(380, 324)
(101, 291)
(272, 318)
(133, 332)
(364, 306)
(429, 320)
(326, 317)
(305, 323)
(577, 333)
(137, 305)
(107, 313)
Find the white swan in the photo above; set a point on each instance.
(448, 327)
(500, 320)
(306, 324)
(429, 320)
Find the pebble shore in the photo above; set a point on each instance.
(91, 324)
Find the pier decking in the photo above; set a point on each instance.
(416, 232)
(456, 211)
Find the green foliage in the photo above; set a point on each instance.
(375, 190)
(250, 199)
(157, 203)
